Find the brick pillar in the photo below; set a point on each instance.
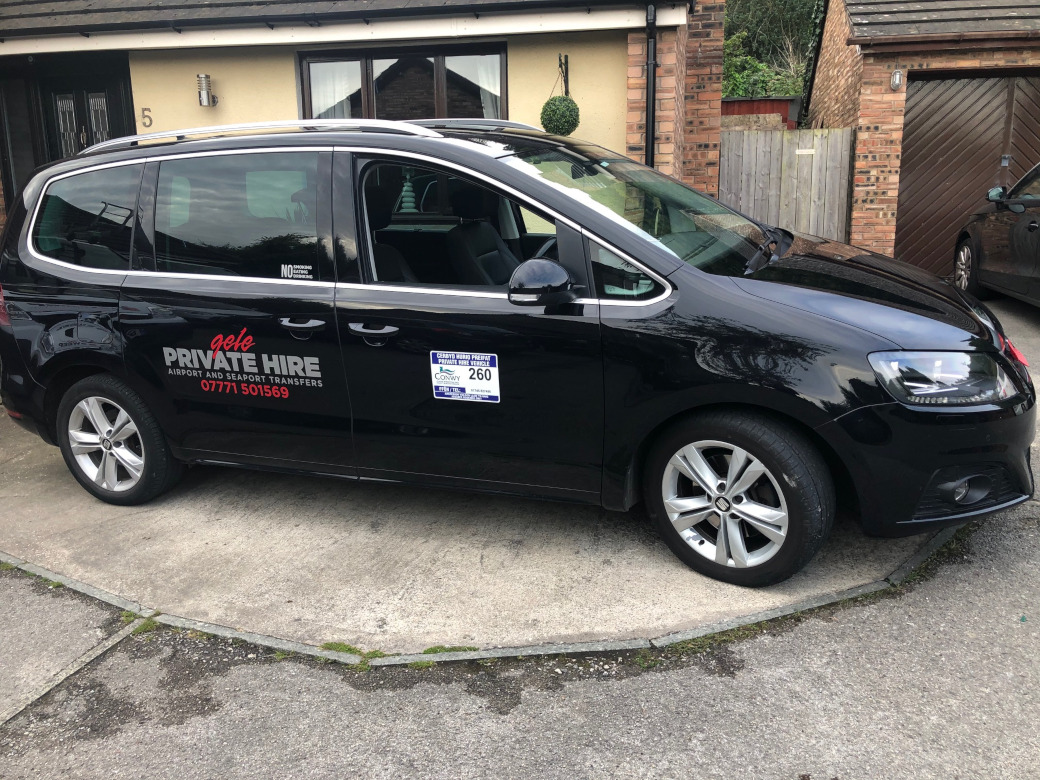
(703, 96)
(879, 141)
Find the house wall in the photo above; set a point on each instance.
(597, 76)
(879, 133)
(251, 84)
(836, 86)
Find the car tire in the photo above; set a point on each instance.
(760, 479)
(112, 443)
(966, 269)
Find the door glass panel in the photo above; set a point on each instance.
(336, 90)
(87, 219)
(97, 103)
(241, 215)
(65, 112)
(474, 84)
(404, 88)
(1028, 188)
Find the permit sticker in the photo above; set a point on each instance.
(465, 376)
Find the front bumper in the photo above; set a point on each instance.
(899, 457)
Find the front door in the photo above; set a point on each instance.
(1011, 239)
(450, 382)
(80, 111)
(231, 317)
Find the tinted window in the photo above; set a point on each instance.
(240, 215)
(87, 219)
(617, 279)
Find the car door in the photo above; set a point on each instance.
(1011, 239)
(451, 383)
(230, 320)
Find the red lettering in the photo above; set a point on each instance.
(243, 342)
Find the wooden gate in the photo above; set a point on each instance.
(960, 138)
(797, 179)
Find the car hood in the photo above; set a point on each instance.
(894, 300)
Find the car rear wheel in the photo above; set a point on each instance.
(739, 497)
(112, 444)
(966, 269)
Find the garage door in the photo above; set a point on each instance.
(960, 138)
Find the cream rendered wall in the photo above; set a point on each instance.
(252, 84)
(599, 79)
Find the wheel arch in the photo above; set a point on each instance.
(844, 485)
(58, 385)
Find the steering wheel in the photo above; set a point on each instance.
(548, 250)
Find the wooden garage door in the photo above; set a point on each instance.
(960, 138)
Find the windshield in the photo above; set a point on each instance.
(696, 228)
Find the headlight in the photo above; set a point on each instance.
(942, 378)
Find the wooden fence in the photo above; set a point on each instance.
(797, 179)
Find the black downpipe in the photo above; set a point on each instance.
(651, 83)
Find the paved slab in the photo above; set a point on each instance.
(42, 631)
(939, 683)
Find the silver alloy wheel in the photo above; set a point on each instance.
(106, 444)
(725, 504)
(962, 267)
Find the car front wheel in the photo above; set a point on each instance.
(739, 497)
(966, 269)
(112, 444)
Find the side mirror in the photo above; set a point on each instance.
(541, 282)
(996, 195)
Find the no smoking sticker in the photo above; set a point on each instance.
(465, 376)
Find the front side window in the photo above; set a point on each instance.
(414, 85)
(87, 219)
(239, 215)
(431, 227)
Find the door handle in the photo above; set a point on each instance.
(1032, 226)
(300, 329)
(363, 329)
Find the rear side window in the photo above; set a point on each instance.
(87, 219)
(239, 215)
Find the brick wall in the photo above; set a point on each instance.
(703, 96)
(689, 98)
(879, 133)
(836, 86)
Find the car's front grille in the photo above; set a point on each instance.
(1003, 490)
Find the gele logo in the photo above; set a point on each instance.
(243, 342)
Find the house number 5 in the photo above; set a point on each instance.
(146, 117)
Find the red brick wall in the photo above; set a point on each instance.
(703, 96)
(879, 134)
(835, 91)
(689, 98)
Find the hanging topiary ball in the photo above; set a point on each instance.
(560, 115)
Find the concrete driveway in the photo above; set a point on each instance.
(394, 568)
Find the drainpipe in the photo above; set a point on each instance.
(651, 82)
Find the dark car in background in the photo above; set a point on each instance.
(999, 248)
(472, 304)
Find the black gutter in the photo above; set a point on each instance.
(651, 83)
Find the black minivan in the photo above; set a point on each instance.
(476, 304)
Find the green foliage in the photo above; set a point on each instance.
(560, 115)
(746, 76)
(447, 649)
(774, 28)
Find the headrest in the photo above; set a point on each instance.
(380, 202)
(469, 202)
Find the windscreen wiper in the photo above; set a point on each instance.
(777, 242)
